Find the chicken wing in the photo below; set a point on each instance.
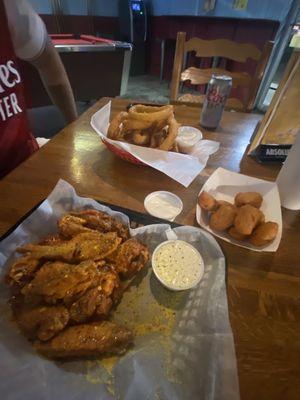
(102, 222)
(65, 283)
(42, 322)
(130, 257)
(85, 246)
(88, 340)
(70, 226)
(97, 300)
(52, 240)
(109, 279)
(94, 300)
(22, 271)
(57, 281)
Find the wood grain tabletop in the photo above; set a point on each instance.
(263, 288)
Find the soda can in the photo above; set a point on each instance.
(217, 93)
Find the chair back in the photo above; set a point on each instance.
(216, 49)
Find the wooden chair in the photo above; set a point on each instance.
(217, 48)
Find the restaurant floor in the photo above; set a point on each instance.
(148, 88)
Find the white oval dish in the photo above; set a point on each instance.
(187, 138)
(177, 265)
(162, 204)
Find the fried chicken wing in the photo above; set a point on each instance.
(88, 340)
(96, 300)
(93, 301)
(70, 226)
(22, 271)
(63, 252)
(56, 281)
(52, 240)
(85, 246)
(130, 257)
(109, 279)
(102, 222)
(42, 322)
(64, 287)
(104, 307)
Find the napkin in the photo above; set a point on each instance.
(183, 168)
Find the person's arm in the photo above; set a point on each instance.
(32, 43)
(55, 80)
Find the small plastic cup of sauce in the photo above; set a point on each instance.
(177, 265)
(187, 138)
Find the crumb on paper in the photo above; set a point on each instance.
(147, 308)
(101, 372)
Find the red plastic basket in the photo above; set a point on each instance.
(123, 154)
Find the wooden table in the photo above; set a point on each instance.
(263, 289)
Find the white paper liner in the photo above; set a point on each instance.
(203, 355)
(182, 168)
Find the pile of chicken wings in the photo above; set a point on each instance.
(64, 287)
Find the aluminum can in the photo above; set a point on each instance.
(218, 90)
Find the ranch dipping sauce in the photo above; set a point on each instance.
(187, 138)
(177, 265)
(163, 204)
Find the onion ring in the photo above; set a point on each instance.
(151, 114)
(141, 139)
(142, 108)
(155, 127)
(175, 148)
(114, 129)
(135, 124)
(157, 138)
(168, 143)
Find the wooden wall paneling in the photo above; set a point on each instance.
(256, 32)
(50, 23)
(177, 24)
(106, 26)
(220, 29)
(201, 28)
(78, 24)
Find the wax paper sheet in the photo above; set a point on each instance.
(184, 346)
(183, 168)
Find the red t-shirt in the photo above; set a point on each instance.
(16, 141)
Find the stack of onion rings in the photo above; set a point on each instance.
(154, 127)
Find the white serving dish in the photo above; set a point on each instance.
(224, 185)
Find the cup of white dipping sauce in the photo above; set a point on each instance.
(177, 265)
(187, 138)
(162, 204)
